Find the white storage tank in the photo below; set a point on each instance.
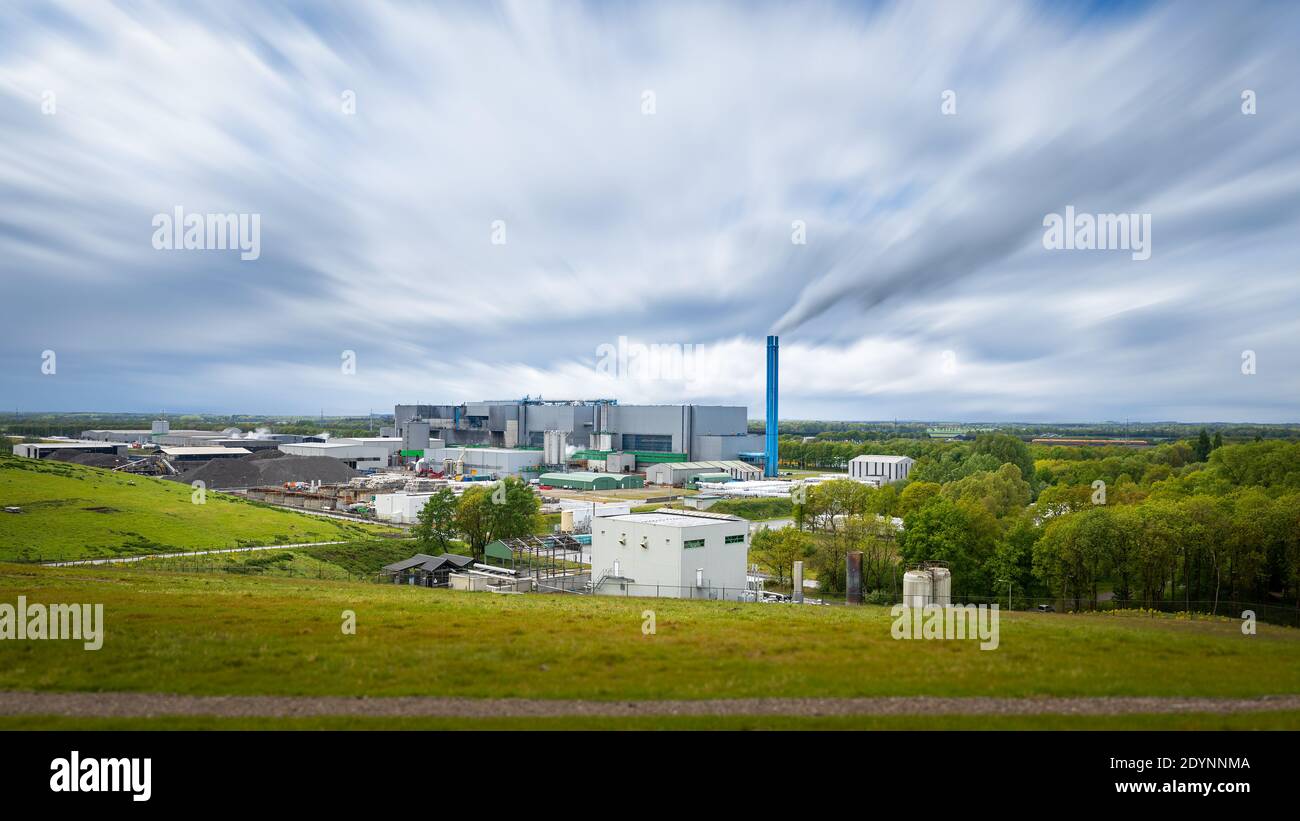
(942, 587)
(918, 588)
(566, 521)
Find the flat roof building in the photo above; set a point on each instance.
(683, 554)
(40, 450)
(882, 469)
(202, 454)
(401, 507)
(356, 456)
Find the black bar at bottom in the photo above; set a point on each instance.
(1026, 771)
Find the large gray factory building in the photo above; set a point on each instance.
(702, 432)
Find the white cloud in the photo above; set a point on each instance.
(672, 228)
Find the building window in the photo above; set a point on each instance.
(734, 539)
(657, 442)
(689, 543)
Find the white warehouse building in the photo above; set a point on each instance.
(400, 507)
(358, 456)
(390, 443)
(884, 469)
(686, 554)
(679, 473)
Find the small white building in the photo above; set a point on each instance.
(884, 469)
(400, 507)
(682, 554)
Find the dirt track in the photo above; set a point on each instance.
(132, 705)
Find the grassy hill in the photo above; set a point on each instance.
(221, 634)
(70, 511)
(351, 561)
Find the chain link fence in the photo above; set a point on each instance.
(1224, 609)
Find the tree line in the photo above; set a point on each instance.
(1189, 521)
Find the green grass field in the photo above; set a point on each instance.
(224, 634)
(72, 512)
(1282, 720)
(268, 623)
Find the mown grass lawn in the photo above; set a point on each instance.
(220, 634)
(72, 512)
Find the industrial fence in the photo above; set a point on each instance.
(631, 589)
(1223, 609)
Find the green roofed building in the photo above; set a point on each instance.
(712, 477)
(584, 480)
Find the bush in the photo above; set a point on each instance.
(879, 597)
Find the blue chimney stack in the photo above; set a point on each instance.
(769, 464)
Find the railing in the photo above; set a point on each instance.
(1223, 609)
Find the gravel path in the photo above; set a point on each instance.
(133, 705)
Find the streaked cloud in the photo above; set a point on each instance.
(923, 230)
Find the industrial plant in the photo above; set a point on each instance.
(588, 461)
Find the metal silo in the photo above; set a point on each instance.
(942, 588)
(918, 588)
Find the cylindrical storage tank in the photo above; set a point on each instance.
(853, 577)
(918, 588)
(566, 521)
(942, 589)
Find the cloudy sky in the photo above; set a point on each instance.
(480, 201)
